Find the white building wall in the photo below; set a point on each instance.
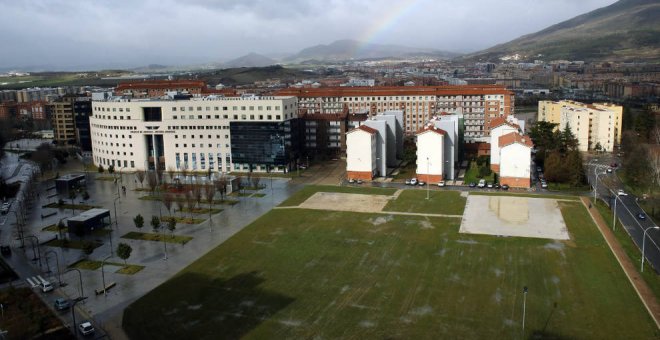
(515, 161)
(578, 121)
(495, 135)
(200, 125)
(360, 151)
(430, 153)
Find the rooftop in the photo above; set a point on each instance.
(515, 137)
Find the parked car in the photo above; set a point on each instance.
(86, 328)
(505, 187)
(641, 216)
(5, 208)
(359, 181)
(413, 181)
(539, 169)
(609, 170)
(496, 185)
(5, 250)
(421, 183)
(46, 286)
(620, 192)
(482, 183)
(407, 181)
(489, 185)
(472, 184)
(351, 180)
(544, 184)
(61, 304)
(614, 165)
(441, 183)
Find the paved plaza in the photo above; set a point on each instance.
(514, 216)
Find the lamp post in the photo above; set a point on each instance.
(114, 204)
(32, 237)
(524, 309)
(103, 272)
(57, 261)
(614, 211)
(644, 244)
(19, 228)
(73, 313)
(79, 279)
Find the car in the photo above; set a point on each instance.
(620, 192)
(472, 184)
(413, 181)
(539, 169)
(86, 328)
(609, 170)
(544, 184)
(614, 165)
(359, 181)
(489, 185)
(641, 216)
(541, 175)
(482, 183)
(61, 304)
(351, 180)
(5, 250)
(407, 181)
(46, 286)
(441, 183)
(421, 183)
(496, 185)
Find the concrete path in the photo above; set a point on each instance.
(645, 293)
(373, 212)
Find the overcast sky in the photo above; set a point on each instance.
(121, 33)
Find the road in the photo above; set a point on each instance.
(627, 208)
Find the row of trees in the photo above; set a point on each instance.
(557, 152)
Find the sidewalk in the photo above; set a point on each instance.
(642, 289)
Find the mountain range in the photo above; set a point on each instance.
(628, 30)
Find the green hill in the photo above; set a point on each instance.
(628, 30)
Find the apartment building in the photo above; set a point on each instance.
(476, 105)
(160, 88)
(592, 124)
(62, 121)
(260, 134)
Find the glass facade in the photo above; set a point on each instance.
(265, 144)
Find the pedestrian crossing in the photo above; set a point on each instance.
(35, 281)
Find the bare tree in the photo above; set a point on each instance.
(190, 202)
(255, 182)
(239, 181)
(179, 200)
(152, 181)
(197, 194)
(168, 199)
(139, 175)
(184, 172)
(209, 193)
(221, 186)
(170, 173)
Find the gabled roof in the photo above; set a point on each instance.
(499, 121)
(365, 129)
(432, 128)
(515, 137)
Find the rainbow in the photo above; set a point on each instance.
(386, 24)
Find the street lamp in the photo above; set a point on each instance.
(73, 313)
(33, 238)
(57, 261)
(103, 272)
(114, 203)
(644, 244)
(524, 309)
(79, 278)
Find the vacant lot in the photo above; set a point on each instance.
(297, 273)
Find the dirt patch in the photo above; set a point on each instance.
(345, 202)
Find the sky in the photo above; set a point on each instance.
(78, 34)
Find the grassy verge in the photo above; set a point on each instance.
(71, 244)
(258, 195)
(200, 210)
(439, 202)
(105, 178)
(127, 269)
(331, 274)
(240, 194)
(182, 220)
(565, 187)
(631, 249)
(26, 316)
(472, 174)
(70, 206)
(304, 193)
(134, 235)
(52, 227)
(407, 172)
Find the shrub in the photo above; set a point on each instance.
(101, 169)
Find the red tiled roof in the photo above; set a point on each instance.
(160, 84)
(515, 137)
(392, 91)
(499, 121)
(365, 129)
(432, 129)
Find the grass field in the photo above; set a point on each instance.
(439, 202)
(304, 274)
(309, 190)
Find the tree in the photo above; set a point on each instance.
(124, 251)
(101, 169)
(139, 221)
(60, 228)
(255, 182)
(598, 147)
(568, 140)
(72, 197)
(171, 225)
(155, 223)
(554, 170)
(152, 181)
(139, 175)
(209, 193)
(221, 186)
(179, 201)
(111, 169)
(197, 194)
(239, 182)
(168, 199)
(170, 173)
(574, 168)
(190, 202)
(644, 124)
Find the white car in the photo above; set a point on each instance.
(46, 286)
(86, 328)
(621, 193)
(482, 183)
(421, 183)
(441, 183)
(407, 181)
(413, 181)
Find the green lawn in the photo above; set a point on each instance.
(183, 220)
(201, 210)
(304, 193)
(68, 243)
(327, 274)
(127, 269)
(472, 174)
(134, 235)
(439, 202)
(70, 206)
